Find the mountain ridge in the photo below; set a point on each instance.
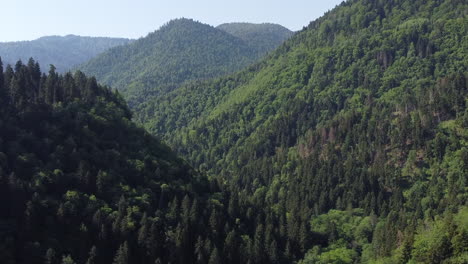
(64, 52)
(181, 50)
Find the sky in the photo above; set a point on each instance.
(31, 19)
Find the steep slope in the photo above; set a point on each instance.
(364, 111)
(180, 51)
(63, 52)
(80, 183)
(261, 37)
(78, 177)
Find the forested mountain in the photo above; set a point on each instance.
(79, 182)
(180, 51)
(346, 144)
(63, 52)
(262, 37)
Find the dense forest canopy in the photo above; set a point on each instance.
(83, 183)
(347, 144)
(63, 52)
(363, 111)
(180, 51)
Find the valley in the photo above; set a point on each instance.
(344, 142)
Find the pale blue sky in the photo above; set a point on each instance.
(30, 19)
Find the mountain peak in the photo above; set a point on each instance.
(181, 50)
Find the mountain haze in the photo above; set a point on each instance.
(180, 51)
(63, 52)
(262, 37)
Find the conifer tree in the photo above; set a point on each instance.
(214, 257)
(50, 256)
(2, 85)
(68, 260)
(92, 259)
(121, 257)
(200, 251)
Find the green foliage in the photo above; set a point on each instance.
(63, 52)
(347, 144)
(180, 51)
(364, 108)
(261, 37)
(80, 177)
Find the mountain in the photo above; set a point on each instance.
(81, 183)
(355, 129)
(63, 52)
(347, 144)
(78, 177)
(180, 51)
(262, 37)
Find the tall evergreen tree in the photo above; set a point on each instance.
(92, 258)
(214, 257)
(2, 85)
(67, 260)
(50, 256)
(121, 257)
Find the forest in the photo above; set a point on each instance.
(346, 144)
(62, 52)
(182, 50)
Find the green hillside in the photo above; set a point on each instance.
(180, 51)
(81, 183)
(261, 37)
(364, 112)
(347, 144)
(63, 52)
(74, 187)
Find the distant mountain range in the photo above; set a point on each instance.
(262, 37)
(63, 52)
(180, 51)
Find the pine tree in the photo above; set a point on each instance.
(258, 246)
(143, 231)
(17, 93)
(34, 79)
(121, 257)
(231, 247)
(2, 85)
(50, 86)
(214, 257)
(214, 221)
(91, 89)
(70, 91)
(50, 256)
(200, 251)
(194, 212)
(8, 76)
(185, 211)
(92, 256)
(67, 260)
(273, 252)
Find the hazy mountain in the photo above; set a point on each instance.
(263, 37)
(62, 52)
(180, 51)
